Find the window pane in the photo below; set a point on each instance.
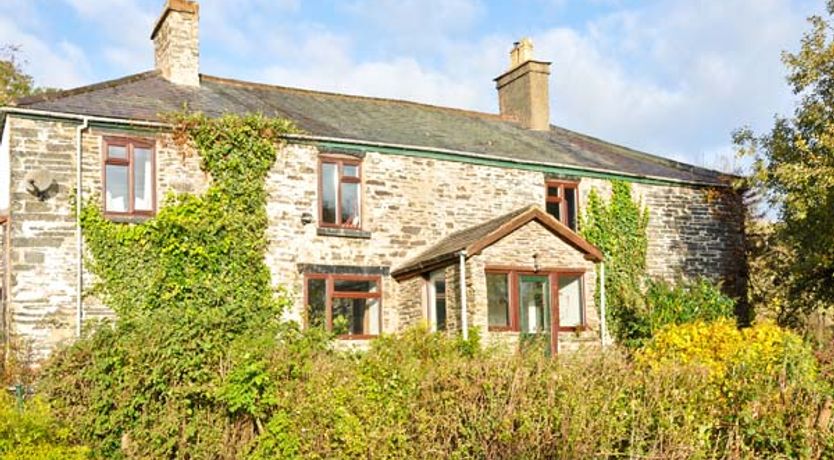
(350, 170)
(356, 316)
(116, 196)
(329, 184)
(440, 307)
(534, 304)
(350, 204)
(142, 180)
(552, 191)
(354, 285)
(570, 300)
(440, 303)
(498, 299)
(570, 200)
(553, 210)
(316, 302)
(117, 151)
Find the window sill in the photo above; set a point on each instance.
(128, 218)
(343, 232)
(357, 337)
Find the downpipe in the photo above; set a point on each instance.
(79, 239)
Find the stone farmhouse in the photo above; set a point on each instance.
(378, 214)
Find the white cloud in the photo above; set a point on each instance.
(669, 76)
(418, 17)
(60, 65)
(125, 43)
(674, 77)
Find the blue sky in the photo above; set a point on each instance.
(672, 77)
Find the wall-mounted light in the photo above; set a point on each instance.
(536, 262)
(306, 218)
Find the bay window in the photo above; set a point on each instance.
(528, 301)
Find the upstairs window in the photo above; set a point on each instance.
(562, 202)
(340, 184)
(129, 177)
(347, 305)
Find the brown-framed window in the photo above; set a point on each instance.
(129, 177)
(562, 201)
(348, 305)
(566, 296)
(340, 192)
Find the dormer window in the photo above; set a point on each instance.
(562, 201)
(340, 192)
(129, 177)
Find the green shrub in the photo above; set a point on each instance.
(187, 285)
(29, 431)
(676, 303)
(420, 395)
(763, 377)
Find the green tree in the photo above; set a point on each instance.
(793, 170)
(14, 82)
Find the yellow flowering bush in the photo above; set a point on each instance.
(764, 349)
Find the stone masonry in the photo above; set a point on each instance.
(408, 203)
(42, 252)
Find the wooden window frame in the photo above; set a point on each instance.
(560, 199)
(331, 293)
(129, 143)
(515, 273)
(340, 162)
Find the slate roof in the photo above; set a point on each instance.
(146, 95)
(474, 239)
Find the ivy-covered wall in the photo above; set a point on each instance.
(408, 204)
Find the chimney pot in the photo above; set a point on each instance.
(177, 43)
(523, 93)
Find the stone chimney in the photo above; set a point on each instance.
(176, 42)
(523, 94)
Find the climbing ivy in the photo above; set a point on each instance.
(186, 285)
(618, 229)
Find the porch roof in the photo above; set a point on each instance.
(475, 239)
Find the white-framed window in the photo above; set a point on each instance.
(437, 301)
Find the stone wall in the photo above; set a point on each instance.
(409, 203)
(42, 291)
(43, 253)
(692, 231)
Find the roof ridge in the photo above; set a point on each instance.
(53, 95)
(251, 84)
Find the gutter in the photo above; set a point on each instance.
(81, 118)
(460, 153)
(79, 240)
(396, 148)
